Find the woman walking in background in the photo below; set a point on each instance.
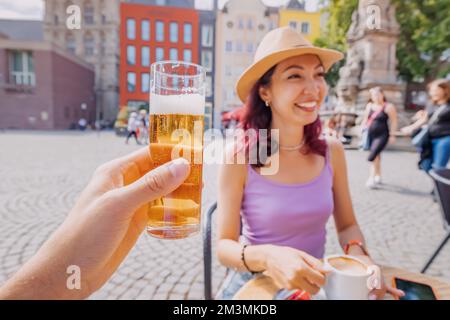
(436, 152)
(380, 119)
(133, 124)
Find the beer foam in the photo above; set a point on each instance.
(193, 104)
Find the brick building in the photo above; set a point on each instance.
(152, 33)
(41, 85)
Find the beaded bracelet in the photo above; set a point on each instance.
(243, 259)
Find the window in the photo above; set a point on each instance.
(209, 86)
(173, 54)
(250, 47)
(173, 32)
(131, 81)
(145, 30)
(187, 55)
(159, 54)
(241, 23)
(104, 19)
(89, 45)
(250, 24)
(89, 14)
(159, 31)
(293, 24)
(131, 55)
(131, 29)
(103, 43)
(228, 46)
(145, 56)
(238, 46)
(207, 60)
(207, 35)
(187, 33)
(21, 68)
(56, 20)
(71, 44)
(145, 82)
(305, 27)
(137, 104)
(208, 115)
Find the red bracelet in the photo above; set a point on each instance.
(355, 243)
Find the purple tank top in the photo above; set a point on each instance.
(293, 215)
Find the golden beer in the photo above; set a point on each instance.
(174, 135)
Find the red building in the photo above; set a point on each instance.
(149, 34)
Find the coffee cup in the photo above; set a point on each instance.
(348, 278)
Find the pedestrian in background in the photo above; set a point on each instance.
(143, 126)
(435, 152)
(380, 119)
(133, 124)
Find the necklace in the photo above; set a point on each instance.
(292, 148)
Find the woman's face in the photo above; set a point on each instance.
(436, 93)
(376, 96)
(297, 89)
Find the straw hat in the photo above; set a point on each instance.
(276, 46)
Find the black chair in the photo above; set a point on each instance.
(441, 180)
(207, 250)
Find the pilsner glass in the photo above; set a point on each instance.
(177, 105)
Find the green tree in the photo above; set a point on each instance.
(423, 50)
(334, 36)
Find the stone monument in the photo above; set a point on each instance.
(371, 57)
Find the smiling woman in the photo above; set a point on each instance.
(284, 215)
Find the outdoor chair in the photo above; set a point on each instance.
(207, 251)
(441, 180)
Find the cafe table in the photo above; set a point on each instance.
(263, 288)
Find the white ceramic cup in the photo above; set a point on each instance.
(342, 285)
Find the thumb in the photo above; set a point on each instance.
(156, 183)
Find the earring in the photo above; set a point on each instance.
(267, 104)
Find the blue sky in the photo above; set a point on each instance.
(33, 9)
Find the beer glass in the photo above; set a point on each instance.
(177, 105)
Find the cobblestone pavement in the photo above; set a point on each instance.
(42, 173)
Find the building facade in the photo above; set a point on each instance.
(293, 14)
(41, 85)
(149, 34)
(240, 27)
(97, 42)
(207, 40)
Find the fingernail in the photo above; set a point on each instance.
(372, 297)
(179, 167)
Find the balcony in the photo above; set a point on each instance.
(20, 82)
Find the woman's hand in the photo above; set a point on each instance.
(407, 130)
(294, 269)
(392, 140)
(378, 294)
(101, 229)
